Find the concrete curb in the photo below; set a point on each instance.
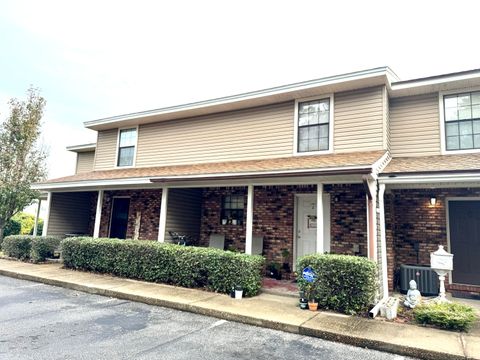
(303, 329)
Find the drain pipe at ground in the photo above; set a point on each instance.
(383, 241)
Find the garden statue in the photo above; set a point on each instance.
(413, 297)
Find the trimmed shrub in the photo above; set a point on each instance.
(25, 247)
(343, 283)
(43, 247)
(17, 246)
(451, 316)
(179, 265)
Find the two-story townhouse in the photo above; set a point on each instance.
(359, 163)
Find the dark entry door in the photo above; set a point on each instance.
(464, 223)
(118, 224)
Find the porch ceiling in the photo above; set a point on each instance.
(313, 165)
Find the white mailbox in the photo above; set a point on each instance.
(441, 260)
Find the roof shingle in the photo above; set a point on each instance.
(436, 163)
(310, 162)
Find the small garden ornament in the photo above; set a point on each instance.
(413, 297)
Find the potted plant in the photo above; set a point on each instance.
(273, 270)
(303, 303)
(310, 296)
(286, 256)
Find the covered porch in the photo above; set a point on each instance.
(326, 205)
(423, 210)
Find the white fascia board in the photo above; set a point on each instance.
(436, 81)
(291, 88)
(430, 178)
(435, 84)
(82, 147)
(260, 173)
(91, 183)
(166, 179)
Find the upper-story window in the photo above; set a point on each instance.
(127, 140)
(462, 121)
(313, 125)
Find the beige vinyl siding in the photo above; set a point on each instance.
(85, 162)
(386, 125)
(414, 126)
(256, 133)
(70, 213)
(359, 120)
(184, 212)
(106, 149)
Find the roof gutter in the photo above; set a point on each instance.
(430, 178)
(354, 170)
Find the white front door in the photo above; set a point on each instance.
(306, 232)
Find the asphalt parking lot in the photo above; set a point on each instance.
(39, 321)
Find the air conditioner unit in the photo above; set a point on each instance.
(426, 278)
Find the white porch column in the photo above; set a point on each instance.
(320, 247)
(47, 215)
(371, 201)
(163, 215)
(383, 239)
(98, 214)
(37, 215)
(249, 227)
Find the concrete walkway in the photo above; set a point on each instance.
(266, 310)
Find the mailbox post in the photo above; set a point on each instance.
(441, 262)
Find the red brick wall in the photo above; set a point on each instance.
(211, 218)
(348, 219)
(145, 201)
(411, 217)
(274, 218)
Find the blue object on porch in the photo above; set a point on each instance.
(309, 274)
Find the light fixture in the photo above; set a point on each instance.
(433, 201)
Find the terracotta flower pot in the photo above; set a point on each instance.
(313, 306)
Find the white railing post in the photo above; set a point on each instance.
(98, 214)
(47, 215)
(249, 227)
(320, 246)
(162, 226)
(37, 215)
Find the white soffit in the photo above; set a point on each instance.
(82, 147)
(351, 81)
(433, 84)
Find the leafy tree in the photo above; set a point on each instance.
(22, 159)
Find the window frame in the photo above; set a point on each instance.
(117, 152)
(443, 123)
(223, 209)
(330, 125)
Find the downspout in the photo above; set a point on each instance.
(383, 241)
(371, 233)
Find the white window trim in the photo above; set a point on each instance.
(118, 147)
(330, 128)
(443, 143)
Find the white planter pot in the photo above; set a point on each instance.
(238, 294)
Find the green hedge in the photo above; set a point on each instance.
(344, 283)
(452, 316)
(185, 266)
(43, 247)
(25, 247)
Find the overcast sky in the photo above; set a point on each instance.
(93, 59)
